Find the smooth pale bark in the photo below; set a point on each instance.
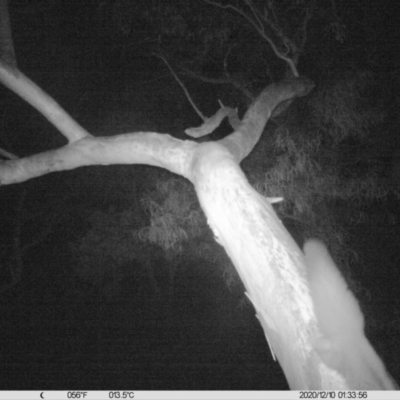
(156, 149)
(276, 278)
(20, 84)
(267, 259)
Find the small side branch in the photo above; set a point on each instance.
(8, 155)
(37, 98)
(211, 123)
(199, 113)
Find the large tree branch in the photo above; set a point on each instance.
(242, 141)
(36, 97)
(311, 351)
(135, 148)
(268, 260)
(160, 150)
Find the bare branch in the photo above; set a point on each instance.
(8, 155)
(199, 113)
(259, 26)
(151, 148)
(160, 150)
(36, 97)
(242, 141)
(211, 123)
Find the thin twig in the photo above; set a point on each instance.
(199, 113)
(254, 22)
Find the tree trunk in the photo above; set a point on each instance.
(273, 270)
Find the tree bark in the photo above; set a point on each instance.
(269, 262)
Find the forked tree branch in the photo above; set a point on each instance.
(209, 123)
(259, 24)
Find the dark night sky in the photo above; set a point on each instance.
(59, 332)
